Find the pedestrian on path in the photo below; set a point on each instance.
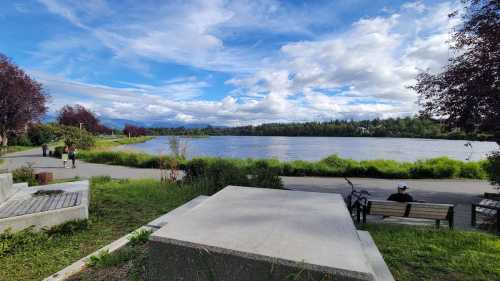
(64, 156)
(72, 156)
(45, 147)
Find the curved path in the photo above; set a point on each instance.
(458, 192)
(83, 169)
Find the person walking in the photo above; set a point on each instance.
(72, 156)
(64, 156)
(45, 147)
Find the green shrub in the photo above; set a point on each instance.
(473, 170)
(332, 166)
(265, 174)
(196, 168)
(58, 150)
(39, 134)
(23, 140)
(441, 167)
(493, 169)
(24, 174)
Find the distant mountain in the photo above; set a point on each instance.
(118, 123)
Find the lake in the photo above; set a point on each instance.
(316, 148)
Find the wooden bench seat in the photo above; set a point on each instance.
(488, 208)
(432, 211)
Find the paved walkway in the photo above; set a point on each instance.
(459, 192)
(83, 169)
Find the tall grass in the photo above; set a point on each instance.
(332, 166)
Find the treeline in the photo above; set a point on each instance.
(409, 127)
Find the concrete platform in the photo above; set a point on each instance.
(22, 209)
(377, 263)
(250, 234)
(163, 220)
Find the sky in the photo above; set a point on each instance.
(229, 62)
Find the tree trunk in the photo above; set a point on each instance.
(3, 139)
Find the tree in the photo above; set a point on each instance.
(22, 99)
(79, 116)
(133, 131)
(467, 93)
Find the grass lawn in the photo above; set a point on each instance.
(412, 254)
(106, 143)
(117, 207)
(418, 254)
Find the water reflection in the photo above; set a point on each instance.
(316, 148)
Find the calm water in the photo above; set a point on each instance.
(316, 148)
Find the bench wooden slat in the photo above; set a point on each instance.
(411, 210)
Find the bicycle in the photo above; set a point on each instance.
(357, 199)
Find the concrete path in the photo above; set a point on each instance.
(83, 169)
(459, 192)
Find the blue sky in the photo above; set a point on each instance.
(229, 62)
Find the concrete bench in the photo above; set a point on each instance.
(488, 208)
(22, 207)
(430, 211)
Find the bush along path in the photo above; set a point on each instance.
(332, 166)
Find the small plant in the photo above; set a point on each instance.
(99, 259)
(139, 237)
(25, 174)
(178, 149)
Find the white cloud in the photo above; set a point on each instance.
(362, 72)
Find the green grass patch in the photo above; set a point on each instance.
(427, 254)
(14, 148)
(117, 208)
(102, 143)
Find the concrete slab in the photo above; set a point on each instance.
(7, 188)
(163, 220)
(380, 269)
(250, 234)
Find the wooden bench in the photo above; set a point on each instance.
(432, 211)
(487, 207)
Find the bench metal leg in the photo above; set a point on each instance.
(438, 223)
(364, 214)
(498, 222)
(473, 215)
(451, 218)
(358, 214)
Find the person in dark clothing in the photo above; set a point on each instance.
(72, 156)
(45, 147)
(401, 195)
